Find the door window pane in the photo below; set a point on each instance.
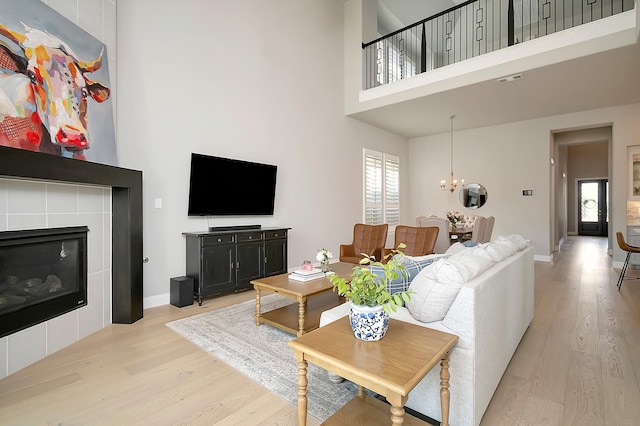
(589, 201)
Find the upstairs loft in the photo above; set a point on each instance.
(491, 62)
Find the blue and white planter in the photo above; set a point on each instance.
(369, 323)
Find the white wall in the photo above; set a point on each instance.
(509, 158)
(252, 80)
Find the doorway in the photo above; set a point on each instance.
(593, 207)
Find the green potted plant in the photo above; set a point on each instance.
(370, 299)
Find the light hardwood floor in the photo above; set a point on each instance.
(578, 363)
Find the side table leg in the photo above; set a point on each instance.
(444, 389)
(397, 415)
(302, 306)
(360, 393)
(302, 393)
(257, 306)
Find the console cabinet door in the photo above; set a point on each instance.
(217, 269)
(249, 262)
(275, 257)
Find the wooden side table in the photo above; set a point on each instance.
(391, 367)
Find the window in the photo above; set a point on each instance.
(381, 188)
(392, 62)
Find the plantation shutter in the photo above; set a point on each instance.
(373, 188)
(381, 188)
(391, 190)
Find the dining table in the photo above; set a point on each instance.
(460, 234)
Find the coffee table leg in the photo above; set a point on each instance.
(302, 305)
(257, 306)
(397, 415)
(302, 392)
(444, 389)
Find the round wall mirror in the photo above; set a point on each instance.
(473, 195)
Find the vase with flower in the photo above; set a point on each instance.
(455, 218)
(323, 257)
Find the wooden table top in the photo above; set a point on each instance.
(397, 362)
(461, 231)
(282, 283)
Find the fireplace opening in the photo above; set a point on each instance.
(43, 274)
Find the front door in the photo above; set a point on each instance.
(593, 203)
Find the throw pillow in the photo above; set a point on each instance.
(412, 268)
(500, 249)
(517, 239)
(437, 286)
(431, 299)
(455, 248)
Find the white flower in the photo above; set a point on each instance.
(323, 255)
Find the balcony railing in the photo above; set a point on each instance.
(474, 28)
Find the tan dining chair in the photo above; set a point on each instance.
(488, 229)
(478, 229)
(442, 242)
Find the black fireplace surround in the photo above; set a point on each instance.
(126, 190)
(43, 274)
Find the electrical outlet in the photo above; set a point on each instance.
(527, 192)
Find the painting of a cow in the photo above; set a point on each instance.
(59, 84)
(46, 89)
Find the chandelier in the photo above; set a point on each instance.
(453, 183)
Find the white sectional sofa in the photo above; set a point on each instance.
(490, 313)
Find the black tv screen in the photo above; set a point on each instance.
(226, 187)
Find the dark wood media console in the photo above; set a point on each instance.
(225, 260)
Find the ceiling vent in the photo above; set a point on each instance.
(511, 78)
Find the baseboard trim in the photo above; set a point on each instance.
(153, 301)
(542, 258)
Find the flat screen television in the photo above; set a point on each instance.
(226, 187)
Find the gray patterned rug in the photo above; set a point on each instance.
(262, 354)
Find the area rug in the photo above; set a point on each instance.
(261, 353)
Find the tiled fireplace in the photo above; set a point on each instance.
(40, 191)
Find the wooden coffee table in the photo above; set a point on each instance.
(314, 297)
(391, 367)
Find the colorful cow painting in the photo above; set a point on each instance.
(57, 96)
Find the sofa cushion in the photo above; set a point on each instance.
(412, 265)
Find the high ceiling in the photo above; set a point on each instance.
(599, 80)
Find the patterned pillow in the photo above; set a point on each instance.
(412, 267)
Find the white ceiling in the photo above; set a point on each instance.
(598, 80)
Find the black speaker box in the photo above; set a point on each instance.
(181, 291)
